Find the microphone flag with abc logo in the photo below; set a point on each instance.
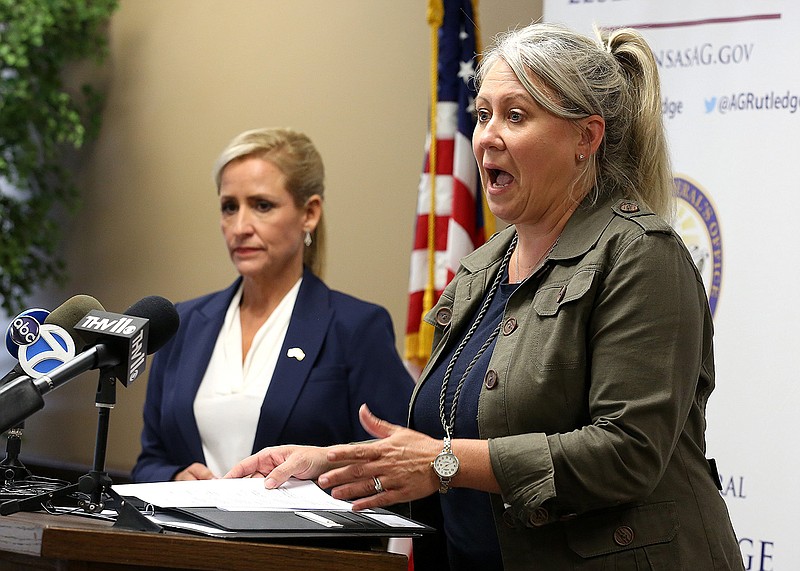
(39, 346)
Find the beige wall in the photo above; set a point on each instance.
(185, 76)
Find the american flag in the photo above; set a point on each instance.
(450, 184)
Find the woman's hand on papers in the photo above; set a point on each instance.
(279, 463)
(196, 471)
(394, 468)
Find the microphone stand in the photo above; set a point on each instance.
(96, 484)
(11, 468)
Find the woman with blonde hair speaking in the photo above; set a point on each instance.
(560, 423)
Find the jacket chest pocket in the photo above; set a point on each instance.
(562, 309)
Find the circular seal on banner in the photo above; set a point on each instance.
(20, 330)
(697, 224)
(53, 348)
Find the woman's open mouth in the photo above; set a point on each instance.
(499, 178)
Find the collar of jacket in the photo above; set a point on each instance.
(581, 233)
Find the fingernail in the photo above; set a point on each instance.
(270, 484)
(323, 482)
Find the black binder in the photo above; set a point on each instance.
(294, 524)
(193, 507)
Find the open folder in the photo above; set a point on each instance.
(244, 509)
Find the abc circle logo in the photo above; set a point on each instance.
(54, 347)
(24, 330)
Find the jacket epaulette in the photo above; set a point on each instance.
(646, 219)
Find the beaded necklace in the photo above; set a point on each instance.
(448, 425)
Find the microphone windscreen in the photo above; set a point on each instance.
(68, 315)
(163, 316)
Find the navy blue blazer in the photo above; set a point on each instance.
(350, 359)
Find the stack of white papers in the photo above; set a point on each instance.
(243, 494)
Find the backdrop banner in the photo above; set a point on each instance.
(730, 74)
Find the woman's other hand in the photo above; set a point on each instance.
(196, 471)
(279, 463)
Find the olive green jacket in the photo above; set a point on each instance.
(594, 399)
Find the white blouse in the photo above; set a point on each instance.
(228, 403)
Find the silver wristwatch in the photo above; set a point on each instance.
(445, 465)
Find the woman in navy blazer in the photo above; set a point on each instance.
(337, 353)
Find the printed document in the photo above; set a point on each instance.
(243, 494)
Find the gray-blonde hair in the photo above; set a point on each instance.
(298, 159)
(615, 77)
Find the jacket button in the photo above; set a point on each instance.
(443, 316)
(539, 517)
(629, 207)
(509, 325)
(623, 535)
(561, 293)
(490, 379)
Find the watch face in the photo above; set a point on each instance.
(446, 465)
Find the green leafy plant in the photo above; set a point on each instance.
(41, 121)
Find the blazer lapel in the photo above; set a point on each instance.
(307, 329)
(202, 326)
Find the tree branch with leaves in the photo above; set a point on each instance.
(40, 123)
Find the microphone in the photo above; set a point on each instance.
(147, 324)
(164, 320)
(24, 396)
(24, 329)
(69, 314)
(23, 332)
(66, 317)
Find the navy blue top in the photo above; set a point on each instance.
(469, 526)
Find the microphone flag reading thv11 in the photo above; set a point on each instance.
(128, 331)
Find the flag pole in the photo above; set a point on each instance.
(435, 19)
(488, 217)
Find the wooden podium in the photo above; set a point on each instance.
(40, 541)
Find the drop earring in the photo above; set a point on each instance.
(307, 240)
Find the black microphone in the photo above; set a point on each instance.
(24, 396)
(67, 315)
(147, 324)
(164, 320)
